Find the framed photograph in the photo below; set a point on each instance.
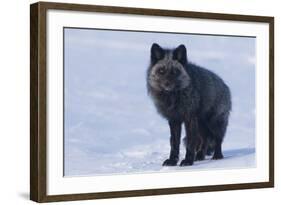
(135, 102)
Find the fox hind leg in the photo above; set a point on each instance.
(217, 126)
(205, 138)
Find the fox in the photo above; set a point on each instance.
(190, 95)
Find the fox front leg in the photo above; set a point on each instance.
(191, 127)
(175, 131)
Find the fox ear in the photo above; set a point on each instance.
(179, 54)
(157, 53)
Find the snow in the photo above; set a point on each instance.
(111, 124)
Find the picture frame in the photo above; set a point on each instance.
(42, 86)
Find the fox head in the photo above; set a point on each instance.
(167, 71)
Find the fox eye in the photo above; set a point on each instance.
(161, 70)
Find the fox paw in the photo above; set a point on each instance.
(200, 156)
(186, 162)
(217, 156)
(170, 162)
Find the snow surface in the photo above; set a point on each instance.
(111, 124)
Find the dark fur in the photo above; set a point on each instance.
(185, 93)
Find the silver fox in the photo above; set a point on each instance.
(185, 93)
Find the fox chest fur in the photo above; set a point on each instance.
(176, 105)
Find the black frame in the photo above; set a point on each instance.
(38, 96)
